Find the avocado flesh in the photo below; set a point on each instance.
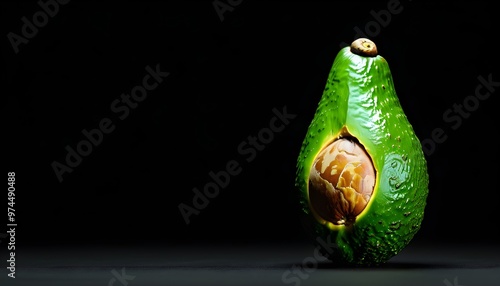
(359, 101)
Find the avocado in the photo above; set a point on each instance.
(361, 175)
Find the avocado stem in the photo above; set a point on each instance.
(364, 47)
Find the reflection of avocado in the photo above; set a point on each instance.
(361, 171)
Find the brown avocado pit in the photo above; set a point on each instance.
(341, 181)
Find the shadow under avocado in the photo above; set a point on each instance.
(409, 265)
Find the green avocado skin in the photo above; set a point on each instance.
(360, 96)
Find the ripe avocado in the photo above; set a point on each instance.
(361, 172)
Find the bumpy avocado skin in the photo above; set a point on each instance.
(360, 96)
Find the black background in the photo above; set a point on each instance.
(225, 79)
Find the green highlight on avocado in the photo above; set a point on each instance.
(361, 172)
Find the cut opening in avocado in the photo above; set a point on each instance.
(341, 181)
